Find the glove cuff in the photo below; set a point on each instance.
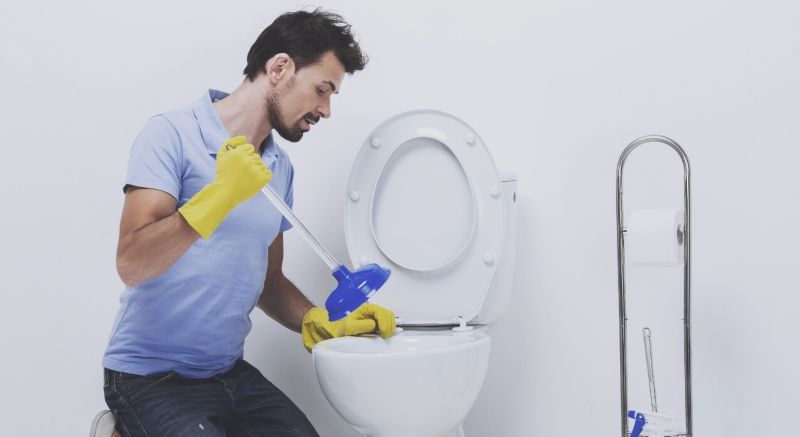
(308, 329)
(207, 209)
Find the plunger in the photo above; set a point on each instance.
(354, 288)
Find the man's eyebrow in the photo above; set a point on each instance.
(333, 87)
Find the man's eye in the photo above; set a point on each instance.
(320, 91)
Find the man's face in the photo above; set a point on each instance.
(298, 103)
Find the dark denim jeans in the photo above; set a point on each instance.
(237, 403)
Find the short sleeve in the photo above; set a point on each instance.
(156, 157)
(288, 198)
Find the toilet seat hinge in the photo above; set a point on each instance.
(462, 325)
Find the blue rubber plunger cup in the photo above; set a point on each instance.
(354, 288)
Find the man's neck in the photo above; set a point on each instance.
(244, 112)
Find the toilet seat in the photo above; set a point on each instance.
(425, 199)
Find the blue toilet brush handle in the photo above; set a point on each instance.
(638, 426)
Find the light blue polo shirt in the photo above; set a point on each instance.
(194, 317)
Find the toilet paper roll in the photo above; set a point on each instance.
(654, 237)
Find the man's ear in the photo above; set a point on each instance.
(279, 67)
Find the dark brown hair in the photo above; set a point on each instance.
(305, 37)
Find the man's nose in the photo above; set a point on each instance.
(324, 109)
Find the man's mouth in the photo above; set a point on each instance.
(308, 121)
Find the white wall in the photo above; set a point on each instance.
(556, 89)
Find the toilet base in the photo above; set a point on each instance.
(459, 432)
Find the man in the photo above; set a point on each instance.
(199, 248)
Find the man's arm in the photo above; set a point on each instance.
(280, 299)
(152, 235)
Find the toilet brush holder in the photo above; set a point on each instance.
(651, 424)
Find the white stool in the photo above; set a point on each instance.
(103, 425)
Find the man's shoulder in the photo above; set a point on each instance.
(171, 125)
(166, 130)
(179, 118)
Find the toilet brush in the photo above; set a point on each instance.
(653, 423)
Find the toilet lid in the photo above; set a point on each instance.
(425, 200)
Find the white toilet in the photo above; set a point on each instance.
(424, 199)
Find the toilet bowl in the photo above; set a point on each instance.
(426, 200)
(415, 384)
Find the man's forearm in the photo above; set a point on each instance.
(283, 301)
(151, 250)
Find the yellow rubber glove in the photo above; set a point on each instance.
(367, 319)
(240, 174)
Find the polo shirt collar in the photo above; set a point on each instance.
(214, 132)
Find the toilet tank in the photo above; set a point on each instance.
(500, 290)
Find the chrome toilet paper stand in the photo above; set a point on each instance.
(687, 270)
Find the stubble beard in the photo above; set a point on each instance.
(293, 133)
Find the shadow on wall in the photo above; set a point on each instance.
(487, 416)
